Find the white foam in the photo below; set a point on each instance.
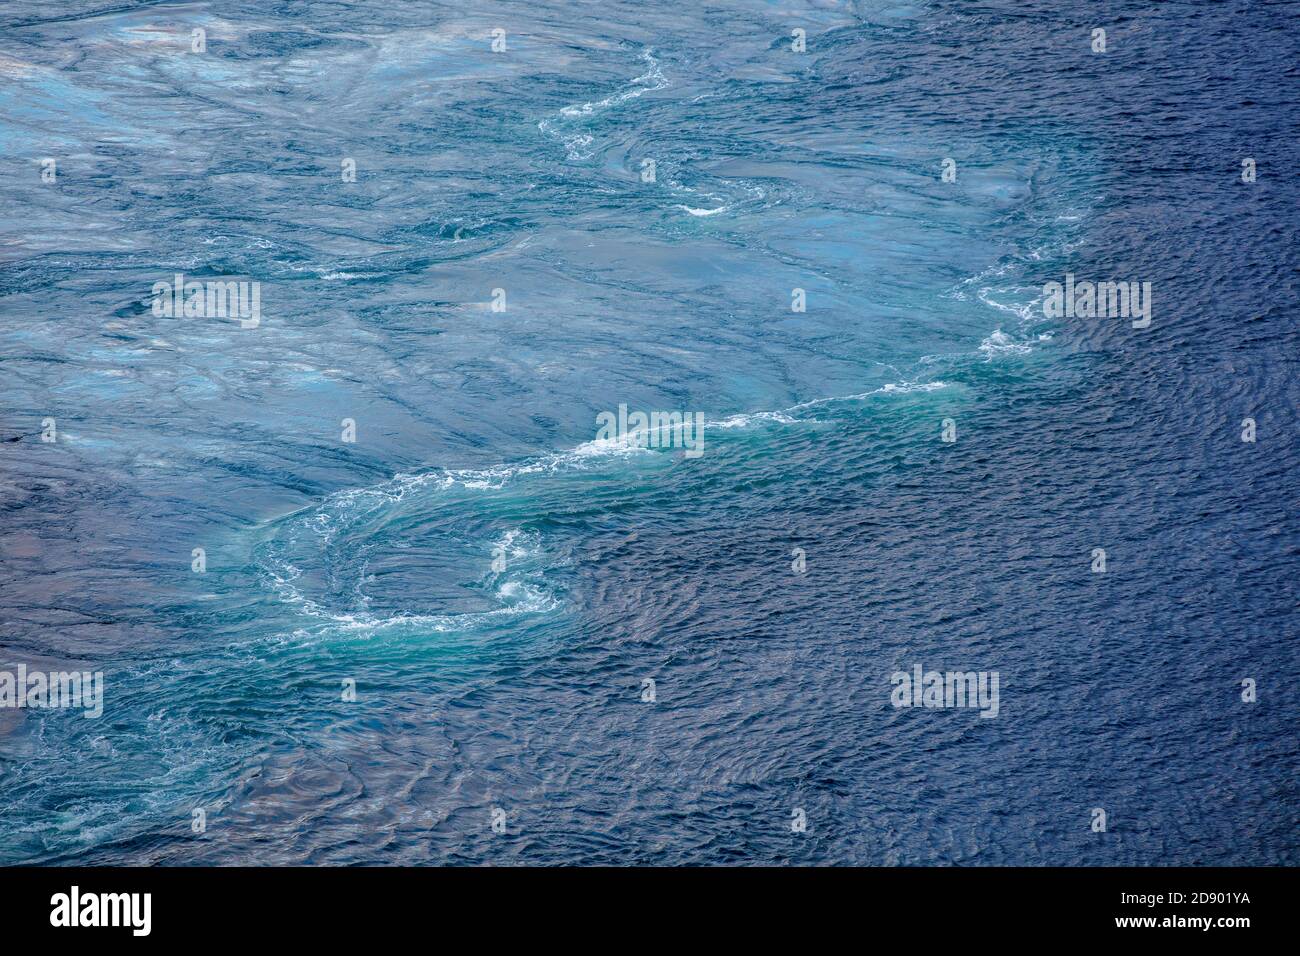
(754, 418)
(889, 388)
(652, 79)
(999, 343)
(702, 212)
(578, 144)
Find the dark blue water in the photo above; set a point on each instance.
(498, 583)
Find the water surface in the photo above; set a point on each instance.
(520, 687)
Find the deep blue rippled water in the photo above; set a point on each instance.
(520, 687)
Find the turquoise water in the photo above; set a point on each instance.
(518, 685)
